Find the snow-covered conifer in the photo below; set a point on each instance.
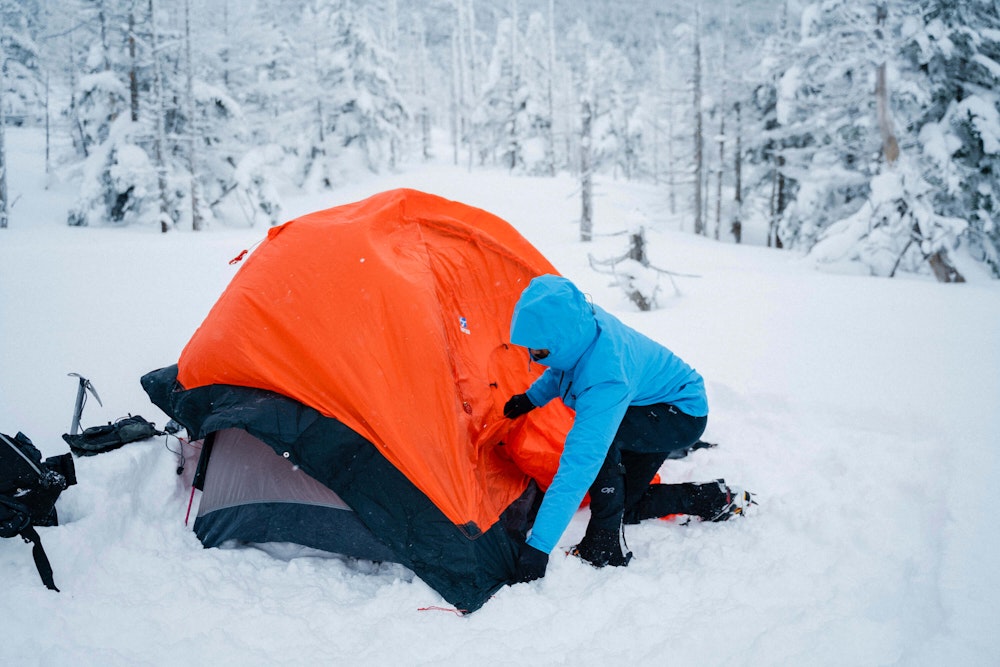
(953, 106)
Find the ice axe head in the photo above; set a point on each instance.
(83, 387)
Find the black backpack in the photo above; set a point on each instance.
(29, 488)
(99, 439)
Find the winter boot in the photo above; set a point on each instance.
(601, 547)
(737, 501)
(712, 501)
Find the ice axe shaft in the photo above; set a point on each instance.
(82, 388)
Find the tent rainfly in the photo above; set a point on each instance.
(349, 386)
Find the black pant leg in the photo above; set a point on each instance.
(659, 428)
(640, 468)
(645, 438)
(648, 436)
(607, 493)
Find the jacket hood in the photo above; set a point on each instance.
(554, 315)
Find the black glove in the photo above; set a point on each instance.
(518, 405)
(531, 564)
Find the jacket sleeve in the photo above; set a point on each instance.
(599, 412)
(545, 388)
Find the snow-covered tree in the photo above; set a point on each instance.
(619, 132)
(699, 134)
(896, 228)
(269, 69)
(502, 119)
(118, 180)
(538, 72)
(768, 188)
(370, 111)
(358, 114)
(952, 52)
(22, 96)
(943, 188)
(185, 156)
(581, 66)
(117, 177)
(826, 113)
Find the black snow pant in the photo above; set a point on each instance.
(647, 436)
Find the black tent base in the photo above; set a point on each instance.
(252, 495)
(464, 564)
(334, 530)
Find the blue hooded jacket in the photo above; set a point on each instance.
(599, 367)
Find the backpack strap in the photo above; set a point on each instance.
(41, 560)
(18, 522)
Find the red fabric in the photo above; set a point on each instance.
(392, 315)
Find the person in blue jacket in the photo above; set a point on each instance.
(636, 404)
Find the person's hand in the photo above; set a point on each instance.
(518, 405)
(531, 564)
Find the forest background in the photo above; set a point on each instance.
(864, 132)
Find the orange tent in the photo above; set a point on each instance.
(391, 316)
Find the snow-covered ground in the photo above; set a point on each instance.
(864, 412)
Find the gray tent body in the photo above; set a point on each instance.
(251, 494)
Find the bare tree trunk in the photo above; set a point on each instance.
(773, 204)
(514, 144)
(319, 149)
(722, 161)
(465, 68)
(550, 137)
(227, 40)
(48, 134)
(777, 205)
(637, 246)
(779, 200)
(658, 86)
(455, 107)
(105, 54)
(160, 137)
(722, 126)
(471, 68)
(391, 44)
(473, 63)
(4, 207)
(425, 114)
(586, 183)
(890, 146)
(943, 269)
(197, 222)
(133, 76)
(737, 226)
(699, 167)
(627, 142)
(73, 108)
(671, 167)
(103, 23)
(46, 18)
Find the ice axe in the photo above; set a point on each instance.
(81, 397)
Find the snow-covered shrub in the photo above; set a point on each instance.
(101, 97)
(118, 180)
(641, 283)
(256, 191)
(23, 95)
(896, 229)
(633, 273)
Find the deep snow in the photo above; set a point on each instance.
(863, 411)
